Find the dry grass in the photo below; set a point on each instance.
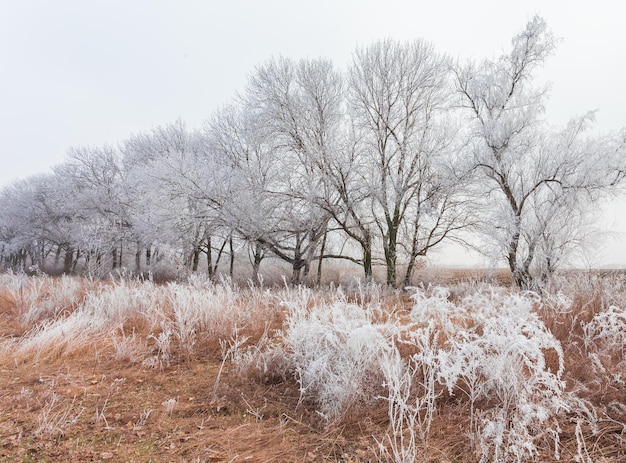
(185, 373)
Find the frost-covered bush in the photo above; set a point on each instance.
(604, 338)
(606, 332)
(411, 395)
(432, 304)
(336, 352)
(65, 314)
(500, 365)
(215, 310)
(98, 314)
(491, 350)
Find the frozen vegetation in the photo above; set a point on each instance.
(524, 376)
(374, 165)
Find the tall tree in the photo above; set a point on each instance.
(399, 99)
(531, 181)
(249, 173)
(297, 106)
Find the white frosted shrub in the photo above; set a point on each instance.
(41, 297)
(336, 353)
(80, 328)
(605, 342)
(11, 281)
(501, 361)
(368, 294)
(64, 293)
(433, 306)
(66, 319)
(187, 317)
(131, 347)
(606, 332)
(411, 395)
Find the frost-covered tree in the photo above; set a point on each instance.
(249, 177)
(349, 202)
(22, 222)
(296, 107)
(40, 215)
(170, 178)
(399, 99)
(534, 185)
(95, 178)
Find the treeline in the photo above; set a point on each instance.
(376, 165)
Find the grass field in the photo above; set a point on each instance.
(205, 372)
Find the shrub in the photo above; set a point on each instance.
(500, 361)
(336, 352)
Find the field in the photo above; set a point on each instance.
(216, 372)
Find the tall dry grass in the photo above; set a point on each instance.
(524, 376)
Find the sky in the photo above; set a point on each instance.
(78, 72)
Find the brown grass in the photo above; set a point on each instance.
(91, 405)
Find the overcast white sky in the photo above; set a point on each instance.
(93, 72)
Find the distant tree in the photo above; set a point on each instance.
(534, 186)
(39, 215)
(22, 224)
(247, 181)
(95, 177)
(350, 202)
(169, 176)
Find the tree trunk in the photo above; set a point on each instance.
(42, 256)
(67, 261)
(296, 268)
(148, 256)
(390, 255)
(56, 256)
(75, 261)
(409, 269)
(138, 259)
(256, 262)
(297, 263)
(220, 253)
(232, 257)
(321, 259)
(195, 259)
(522, 278)
(409, 272)
(114, 265)
(209, 257)
(520, 272)
(367, 259)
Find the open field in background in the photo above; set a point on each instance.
(462, 369)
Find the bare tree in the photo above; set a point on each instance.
(39, 214)
(533, 184)
(399, 99)
(25, 227)
(170, 175)
(350, 202)
(95, 176)
(297, 109)
(249, 176)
